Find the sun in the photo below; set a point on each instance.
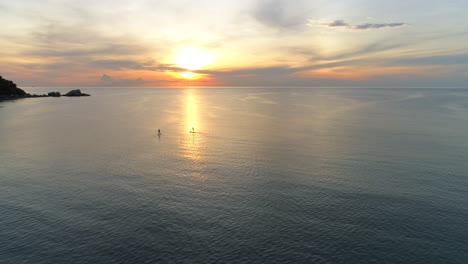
(192, 59)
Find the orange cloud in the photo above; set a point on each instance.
(363, 73)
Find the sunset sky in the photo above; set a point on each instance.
(315, 43)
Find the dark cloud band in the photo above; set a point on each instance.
(366, 26)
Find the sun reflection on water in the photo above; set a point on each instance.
(191, 110)
(192, 146)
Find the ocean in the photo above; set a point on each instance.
(272, 175)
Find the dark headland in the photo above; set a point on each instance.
(10, 91)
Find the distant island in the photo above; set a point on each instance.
(9, 90)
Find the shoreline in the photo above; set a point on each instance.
(16, 97)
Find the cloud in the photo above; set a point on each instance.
(453, 59)
(135, 65)
(338, 23)
(366, 26)
(65, 51)
(116, 64)
(272, 71)
(165, 68)
(76, 47)
(365, 50)
(416, 72)
(374, 26)
(56, 40)
(281, 14)
(107, 80)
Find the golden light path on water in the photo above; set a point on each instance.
(192, 147)
(191, 110)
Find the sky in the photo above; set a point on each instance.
(284, 43)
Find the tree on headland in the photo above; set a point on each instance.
(8, 88)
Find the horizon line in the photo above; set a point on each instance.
(250, 87)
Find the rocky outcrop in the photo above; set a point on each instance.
(76, 92)
(54, 94)
(9, 89)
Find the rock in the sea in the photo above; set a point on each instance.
(54, 94)
(76, 92)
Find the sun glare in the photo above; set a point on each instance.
(188, 75)
(193, 59)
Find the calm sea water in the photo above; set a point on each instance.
(272, 176)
